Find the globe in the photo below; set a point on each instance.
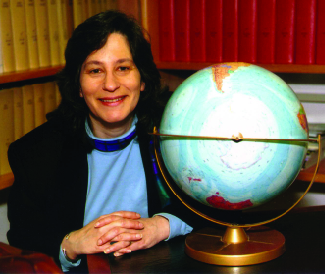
(260, 127)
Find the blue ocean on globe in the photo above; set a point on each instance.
(233, 100)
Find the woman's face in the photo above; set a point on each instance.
(111, 84)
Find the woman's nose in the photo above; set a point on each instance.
(111, 82)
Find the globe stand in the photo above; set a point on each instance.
(239, 245)
(235, 247)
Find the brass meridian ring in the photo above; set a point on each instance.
(236, 139)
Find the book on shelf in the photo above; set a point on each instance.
(104, 5)
(247, 25)
(49, 97)
(197, 31)
(305, 31)
(320, 36)
(150, 21)
(39, 105)
(95, 7)
(166, 30)
(230, 31)
(57, 95)
(213, 33)
(1, 59)
(130, 7)
(92, 7)
(7, 45)
(77, 12)
(63, 28)
(265, 36)
(42, 29)
(182, 30)
(31, 34)
(28, 108)
(17, 12)
(80, 11)
(6, 127)
(99, 5)
(18, 113)
(111, 5)
(85, 14)
(83, 9)
(284, 31)
(55, 50)
(69, 12)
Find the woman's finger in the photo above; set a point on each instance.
(117, 246)
(127, 237)
(107, 219)
(122, 252)
(120, 232)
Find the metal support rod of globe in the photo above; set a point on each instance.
(179, 196)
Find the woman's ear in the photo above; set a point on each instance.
(80, 93)
(142, 86)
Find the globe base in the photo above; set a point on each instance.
(236, 246)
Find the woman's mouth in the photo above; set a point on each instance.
(111, 100)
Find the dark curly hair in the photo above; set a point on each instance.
(92, 35)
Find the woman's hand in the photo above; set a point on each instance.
(87, 240)
(154, 230)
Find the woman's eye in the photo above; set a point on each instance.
(123, 68)
(94, 71)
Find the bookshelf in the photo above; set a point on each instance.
(73, 10)
(276, 68)
(147, 12)
(174, 72)
(150, 20)
(19, 76)
(14, 77)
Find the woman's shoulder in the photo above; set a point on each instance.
(48, 134)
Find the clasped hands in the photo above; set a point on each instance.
(119, 232)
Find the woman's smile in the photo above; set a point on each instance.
(112, 101)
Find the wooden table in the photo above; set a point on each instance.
(305, 252)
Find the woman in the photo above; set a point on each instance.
(84, 181)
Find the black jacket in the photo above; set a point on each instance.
(47, 199)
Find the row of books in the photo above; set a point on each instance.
(254, 31)
(83, 9)
(21, 110)
(34, 33)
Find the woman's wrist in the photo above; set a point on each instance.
(163, 224)
(67, 250)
